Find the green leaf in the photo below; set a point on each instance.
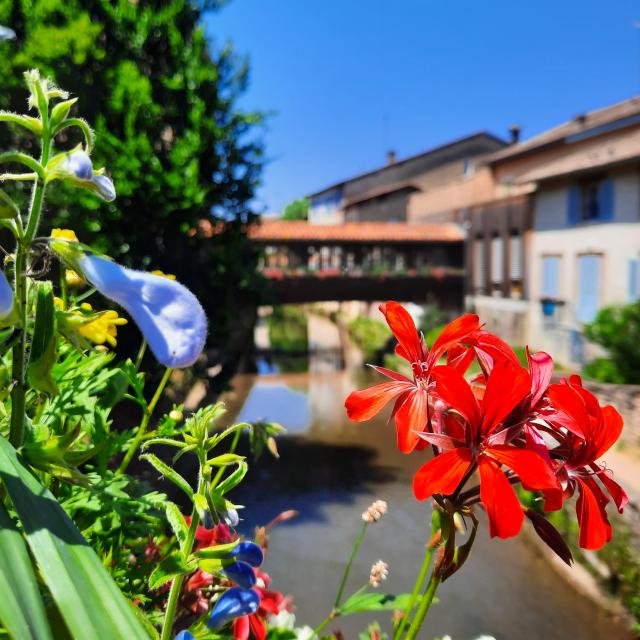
(168, 568)
(60, 112)
(21, 610)
(225, 460)
(369, 601)
(219, 551)
(168, 473)
(86, 595)
(43, 347)
(233, 479)
(178, 524)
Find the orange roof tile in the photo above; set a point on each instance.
(301, 231)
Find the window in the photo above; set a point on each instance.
(591, 201)
(469, 168)
(551, 277)
(515, 263)
(634, 279)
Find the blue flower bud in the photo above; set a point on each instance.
(248, 552)
(242, 574)
(6, 296)
(105, 187)
(185, 635)
(79, 165)
(169, 316)
(232, 604)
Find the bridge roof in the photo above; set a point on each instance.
(302, 231)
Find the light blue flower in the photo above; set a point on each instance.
(78, 169)
(6, 296)
(232, 604)
(79, 164)
(169, 316)
(185, 635)
(248, 552)
(242, 574)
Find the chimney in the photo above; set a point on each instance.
(391, 157)
(514, 133)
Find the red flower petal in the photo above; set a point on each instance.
(389, 373)
(404, 329)
(607, 431)
(441, 474)
(500, 500)
(454, 390)
(595, 530)
(507, 385)
(364, 404)
(257, 627)
(454, 333)
(573, 411)
(241, 628)
(618, 494)
(541, 370)
(411, 419)
(531, 468)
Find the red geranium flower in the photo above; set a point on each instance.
(587, 432)
(473, 435)
(411, 413)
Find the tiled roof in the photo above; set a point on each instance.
(292, 231)
(584, 125)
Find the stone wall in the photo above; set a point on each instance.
(626, 399)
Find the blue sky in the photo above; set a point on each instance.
(346, 80)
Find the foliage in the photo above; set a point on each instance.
(297, 210)
(370, 335)
(617, 329)
(432, 316)
(164, 107)
(288, 329)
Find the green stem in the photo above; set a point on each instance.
(18, 393)
(176, 585)
(142, 429)
(232, 449)
(417, 587)
(347, 569)
(423, 608)
(330, 618)
(141, 352)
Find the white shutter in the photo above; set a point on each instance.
(479, 264)
(515, 256)
(497, 260)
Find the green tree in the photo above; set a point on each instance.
(617, 329)
(164, 106)
(297, 210)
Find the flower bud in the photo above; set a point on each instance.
(241, 573)
(375, 511)
(79, 165)
(233, 603)
(379, 572)
(176, 416)
(248, 552)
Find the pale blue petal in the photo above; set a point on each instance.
(6, 33)
(6, 296)
(170, 317)
(105, 187)
(79, 165)
(185, 635)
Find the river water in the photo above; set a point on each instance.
(330, 470)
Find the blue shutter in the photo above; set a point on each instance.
(573, 204)
(634, 280)
(588, 301)
(606, 199)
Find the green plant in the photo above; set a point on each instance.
(288, 329)
(370, 335)
(617, 329)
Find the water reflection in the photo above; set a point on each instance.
(331, 469)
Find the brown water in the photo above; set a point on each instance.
(330, 470)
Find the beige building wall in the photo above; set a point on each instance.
(616, 242)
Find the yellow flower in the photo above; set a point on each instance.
(73, 278)
(64, 234)
(103, 328)
(162, 274)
